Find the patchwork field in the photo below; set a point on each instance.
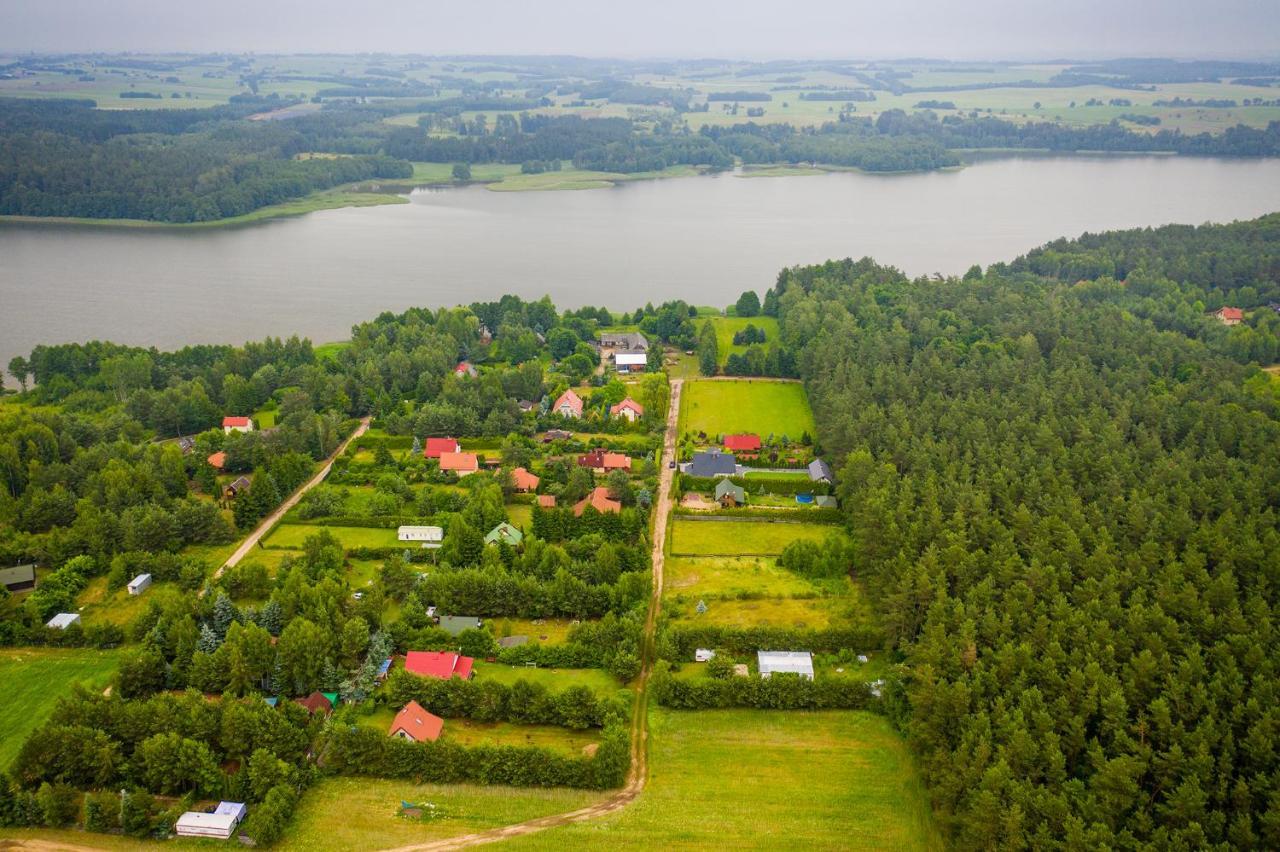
(34, 680)
(754, 779)
(741, 538)
(748, 405)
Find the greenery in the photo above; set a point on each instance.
(763, 407)
(691, 537)
(36, 679)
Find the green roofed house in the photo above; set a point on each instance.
(455, 624)
(504, 532)
(729, 495)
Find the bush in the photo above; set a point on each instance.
(267, 822)
(681, 641)
(521, 702)
(779, 692)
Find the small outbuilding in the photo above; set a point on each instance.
(18, 578)
(232, 809)
(200, 824)
(826, 501)
(703, 655)
(63, 620)
(139, 584)
(730, 495)
(785, 662)
(236, 424)
(547, 501)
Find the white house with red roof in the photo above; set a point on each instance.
(236, 424)
(1229, 316)
(462, 464)
(465, 369)
(436, 446)
(524, 480)
(569, 404)
(628, 408)
(438, 664)
(415, 724)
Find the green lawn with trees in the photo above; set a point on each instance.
(35, 678)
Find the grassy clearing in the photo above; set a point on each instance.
(750, 405)
(329, 351)
(727, 327)
(800, 613)
(469, 732)
(741, 538)
(755, 779)
(554, 679)
(436, 173)
(363, 813)
(548, 631)
(291, 536)
(729, 577)
(100, 606)
(35, 678)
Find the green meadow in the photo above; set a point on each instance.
(34, 680)
(748, 405)
(741, 538)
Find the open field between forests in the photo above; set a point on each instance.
(815, 613)
(730, 576)
(741, 538)
(749, 405)
(716, 781)
(34, 680)
(727, 327)
(291, 536)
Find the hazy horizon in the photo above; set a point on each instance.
(985, 30)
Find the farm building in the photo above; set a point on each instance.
(18, 578)
(711, 464)
(462, 464)
(504, 532)
(599, 499)
(437, 447)
(139, 584)
(547, 501)
(524, 480)
(569, 404)
(1229, 316)
(730, 495)
(631, 362)
(438, 664)
(63, 620)
(429, 536)
(236, 424)
(628, 409)
(743, 443)
(416, 725)
(703, 655)
(820, 471)
(455, 624)
(785, 662)
(624, 341)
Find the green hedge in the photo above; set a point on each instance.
(772, 485)
(808, 516)
(780, 692)
(522, 702)
(365, 751)
(683, 640)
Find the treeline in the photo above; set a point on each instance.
(1085, 604)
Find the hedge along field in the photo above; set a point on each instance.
(363, 813)
(34, 680)
(741, 538)
(292, 536)
(750, 405)
(754, 779)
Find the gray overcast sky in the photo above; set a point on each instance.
(960, 29)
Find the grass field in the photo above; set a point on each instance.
(729, 576)
(800, 613)
(750, 779)
(741, 538)
(520, 514)
(119, 607)
(34, 679)
(554, 679)
(291, 536)
(363, 813)
(754, 405)
(727, 327)
(546, 630)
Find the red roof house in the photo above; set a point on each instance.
(628, 408)
(598, 498)
(602, 460)
(568, 404)
(438, 664)
(315, 703)
(1230, 316)
(744, 443)
(525, 481)
(547, 501)
(459, 463)
(415, 724)
(218, 460)
(436, 446)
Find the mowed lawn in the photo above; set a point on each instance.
(751, 405)
(727, 327)
(291, 536)
(730, 576)
(753, 779)
(34, 680)
(742, 538)
(363, 813)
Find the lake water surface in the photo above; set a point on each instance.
(704, 239)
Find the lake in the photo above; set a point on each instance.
(704, 239)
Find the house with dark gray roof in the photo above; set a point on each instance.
(624, 341)
(18, 578)
(711, 464)
(820, 471)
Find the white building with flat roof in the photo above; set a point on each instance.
(63, 620)
(139, 584)
(427, 536)
(785, 662)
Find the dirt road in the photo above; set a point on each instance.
(640, 716)
(271, 520)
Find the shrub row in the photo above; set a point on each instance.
(522, 702)
(364, 751)
(679, 642)
(808, 516)
(780, 692)
(772, 484)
